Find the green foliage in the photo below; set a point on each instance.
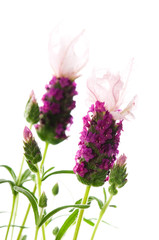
(32, 200)
(50, 214)
(57, 172)
(68, 222)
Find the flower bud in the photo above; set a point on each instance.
(55, 189)
(55, 231)
(118, 175)
(27, 134)
(32, 152)
(43, 200)
(31, 113)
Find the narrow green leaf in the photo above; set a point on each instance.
(50, 214)
(89, 221)
(12, 184)
(77, 202)
(114, 206)
(25, 176)
(69, 221)
(47, 171)
(58, 172)
(100, 203)
(10, 170)
(31, 199)
(13, 226)
(109, 224)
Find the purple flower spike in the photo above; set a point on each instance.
(55, 114)
(98, 146)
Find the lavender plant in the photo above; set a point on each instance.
(97, 160)
(100, 137)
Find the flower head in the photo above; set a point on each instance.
(55, 114)
(108, 88)
(68, 54)
(98, 145)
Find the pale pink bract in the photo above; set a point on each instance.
(68, 54)
(121, 160)
(106, 87)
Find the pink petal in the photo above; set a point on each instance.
(67, 54)
(106, 88)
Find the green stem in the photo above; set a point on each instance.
(39, 186)
(37, 228)
(36, 233)
(15, 213)
(44, 155)
(84, 201)
(101, 215)
(25, 217)
(11, 216)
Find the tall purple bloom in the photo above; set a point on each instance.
(101, 128)
(98, 147)
(55, 113)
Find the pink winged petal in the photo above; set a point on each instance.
(106, 88)
(67, 54)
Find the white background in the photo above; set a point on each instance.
(118, 31)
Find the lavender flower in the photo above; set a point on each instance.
(98, 146)
(99, 140)
(55, 113)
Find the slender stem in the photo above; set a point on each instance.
(44, 155)
(36, 233)
(101, 215)
(84, 201)
(25, 217)
(37, 228)
(39, 186)
(11, 216)
(15, 213)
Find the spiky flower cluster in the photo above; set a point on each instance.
(55, 114)
(98, 146)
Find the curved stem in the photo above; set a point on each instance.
(11, 216)
(25, 217)
(78, 224)
(44, 155)
(101, 215)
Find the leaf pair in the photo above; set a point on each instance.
(15, 182)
